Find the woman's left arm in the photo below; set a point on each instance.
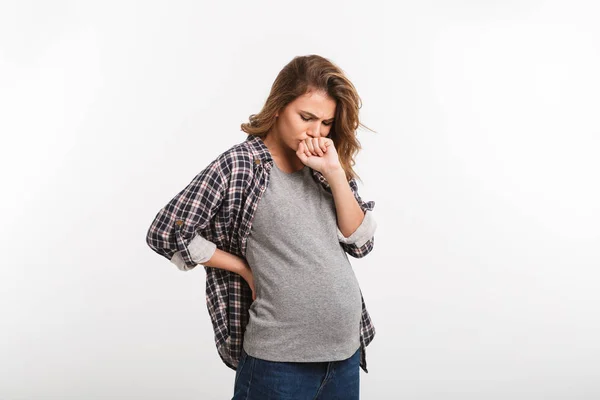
(356, 224)
(349, 214)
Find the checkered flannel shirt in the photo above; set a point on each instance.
(217, 207)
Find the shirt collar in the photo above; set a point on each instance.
(259, 149)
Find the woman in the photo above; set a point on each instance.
(272, 220)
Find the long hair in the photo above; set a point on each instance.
(313, 72)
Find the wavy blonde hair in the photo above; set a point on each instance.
(313, 72)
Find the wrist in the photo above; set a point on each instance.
(335, 174)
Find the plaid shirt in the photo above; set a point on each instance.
(218, 206)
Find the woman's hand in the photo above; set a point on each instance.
(249, 278)
(319, 154)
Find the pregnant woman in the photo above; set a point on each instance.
(272, 220)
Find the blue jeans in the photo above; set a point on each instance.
(257, 379)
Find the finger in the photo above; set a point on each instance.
(301, 151)
(307, 150)
(323, 144)
(309, 145)
(317, 146)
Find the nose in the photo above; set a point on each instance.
(315, 132)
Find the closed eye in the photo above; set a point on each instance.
(308, 119)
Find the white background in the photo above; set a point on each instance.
(483, 283)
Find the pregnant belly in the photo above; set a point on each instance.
(301, 306)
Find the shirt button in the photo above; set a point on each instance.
(257, 161)
(179, 222)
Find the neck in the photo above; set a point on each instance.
(284, 157)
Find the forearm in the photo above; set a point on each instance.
(349, 214)
(227, 261)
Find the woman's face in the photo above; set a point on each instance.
(309, 115)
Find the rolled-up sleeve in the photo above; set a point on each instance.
(201, 250)
(361, 241)
(362, 234)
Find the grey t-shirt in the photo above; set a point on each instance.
(308, 305)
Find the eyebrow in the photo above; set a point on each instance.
(314, 116)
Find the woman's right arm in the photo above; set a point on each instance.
(174, 232)
(230, 262)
